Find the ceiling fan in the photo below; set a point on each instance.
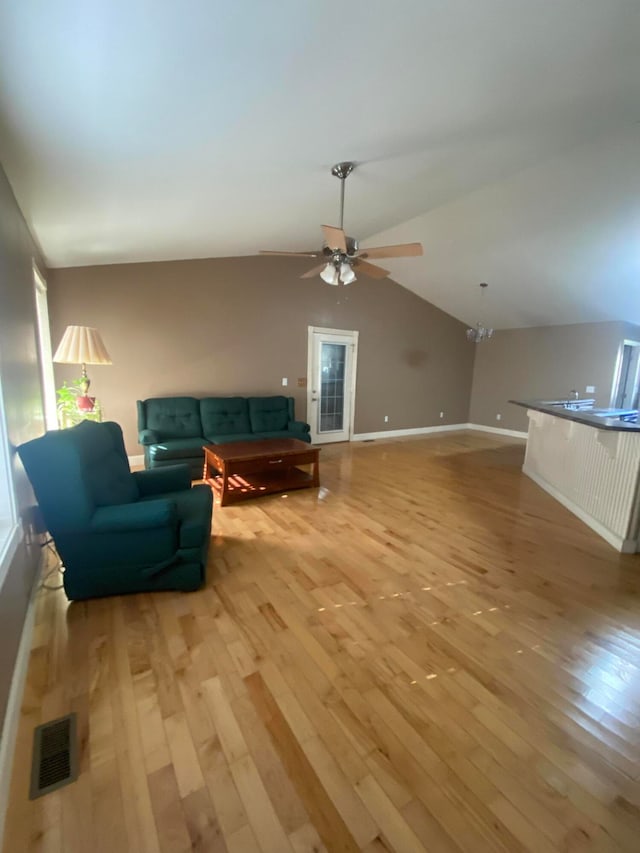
(341, 255)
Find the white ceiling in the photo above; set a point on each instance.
(148, 129)
(557, 243)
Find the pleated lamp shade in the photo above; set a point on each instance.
(81, 345)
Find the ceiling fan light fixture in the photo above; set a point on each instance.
(330, 274)
(347, 274)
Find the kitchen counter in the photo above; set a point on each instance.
(589, 460)
(609, 419)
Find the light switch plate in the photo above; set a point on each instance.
(590, 389)
(285, 381)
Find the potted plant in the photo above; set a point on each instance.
(69, 413)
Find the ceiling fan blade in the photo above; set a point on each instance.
(292, 254)
(402, 250)
(335, 238)
(369, 269)
(315, 271)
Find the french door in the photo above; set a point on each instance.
(331, 384)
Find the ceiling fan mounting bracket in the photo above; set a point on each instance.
(343, 170)
(332, 254)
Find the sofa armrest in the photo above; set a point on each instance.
(298, 426)
(135, 516)
(158, 481)
(147, 437)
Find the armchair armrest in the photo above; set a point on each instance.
(147, 437)
(298, 426)
(156, 481)
(135, 516)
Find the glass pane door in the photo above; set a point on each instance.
(332, 387)
(331, 383)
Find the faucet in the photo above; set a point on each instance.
(574, 395)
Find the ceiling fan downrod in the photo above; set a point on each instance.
(342, 171)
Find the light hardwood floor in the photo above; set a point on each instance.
(430, 654)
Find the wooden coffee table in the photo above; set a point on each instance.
(246, 469)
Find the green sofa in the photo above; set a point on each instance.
(174, 429)
(117, 531)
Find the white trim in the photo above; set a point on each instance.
(45, 357)
(398, 433)
(10, 538)
(14, 703)
(617, 373)
(9, 523)
(514, 433)
(626, 546)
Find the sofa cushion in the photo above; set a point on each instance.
(233, 436)
(173, 417)
(177, 448)
(268, 413)
(277, 433)
(224, 416)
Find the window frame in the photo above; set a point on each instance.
(10, 529)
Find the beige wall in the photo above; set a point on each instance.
(23, 407)
(238, 325)
(542, 363)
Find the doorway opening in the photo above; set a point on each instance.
(331, 383)
(626, 388)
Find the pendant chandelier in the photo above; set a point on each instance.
(478, 333)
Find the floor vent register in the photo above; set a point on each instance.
(55, 756)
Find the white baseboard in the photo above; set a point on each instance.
(137, 461)
(14, 703)
(514, 433)
(398, 433)
(10, 537)
(626, 546)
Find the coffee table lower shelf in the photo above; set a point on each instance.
(248, 469)
(243, 486)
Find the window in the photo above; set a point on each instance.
(9, 528)
(626, 386)
(44, 346)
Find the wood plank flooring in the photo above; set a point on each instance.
(429, 653)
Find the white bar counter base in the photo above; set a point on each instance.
(594, 472)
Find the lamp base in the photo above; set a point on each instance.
(86, 404)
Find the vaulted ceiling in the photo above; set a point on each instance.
(502, 133)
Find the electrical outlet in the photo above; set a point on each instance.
(498, 417)
(590, 389)
(386, 419)
(285, 381)
(441, 414)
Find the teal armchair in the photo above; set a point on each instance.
(117, 531)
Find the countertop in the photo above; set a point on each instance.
(582, 416)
